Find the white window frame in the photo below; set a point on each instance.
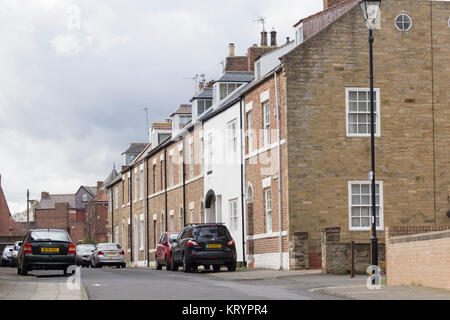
(142, 233)
(299, 35)
(191, 160)
(136, 178)
(210, 151)
(192, 215)
(233, 214)
(377, 113)
(141, 187)
(268, 209)
(232, 135)
(116, 197)
(403, 22)
(170, 170)
(116, 234)
(266, 122)
(380, 205)
(249, 131)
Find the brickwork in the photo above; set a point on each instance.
(410, 160)
(419, 259)
(4, 213)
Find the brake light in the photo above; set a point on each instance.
(100, 253)
(192, 243)
(27, 248)
(122, 252)
(231, 243)
(72, 249)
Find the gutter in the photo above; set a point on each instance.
(243, 211)
(165, 188)
(280, 220)
(184, 184)
(147, 217)
(131, 214)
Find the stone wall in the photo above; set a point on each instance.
(337, 255)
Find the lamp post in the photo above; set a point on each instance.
(370, 10)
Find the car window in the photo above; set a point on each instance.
(161, 238)
(189, 234)
(210, 231)
(172, 237)
(49, 235)
(109, 246)
(85, 248)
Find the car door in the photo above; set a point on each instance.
(178, 246)
(160, 248)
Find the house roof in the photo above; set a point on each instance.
(49, 202)
(135, 148)
(236, 76)
(183, 109)
(162, 125)
(111, 176)
(344, 5)
(92, 190)
(206, 93)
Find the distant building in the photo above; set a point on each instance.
(5, 214)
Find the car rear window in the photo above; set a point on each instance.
(109, 246)
(50, 235)
(85, 248)
(173, 236)
(210, 231)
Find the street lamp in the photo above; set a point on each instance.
(370, 10)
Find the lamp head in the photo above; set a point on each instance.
(370, 10)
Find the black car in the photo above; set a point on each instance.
(46, 249)
(203, 244)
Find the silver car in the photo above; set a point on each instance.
(108, 254)
(15, 252)
(84, 253)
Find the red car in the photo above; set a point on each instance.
(162, 256)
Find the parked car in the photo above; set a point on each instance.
(46, 249)
(204, 244)
(84, 253)
(110, 254)
(162, 255)
(14, 253)
(6, 255)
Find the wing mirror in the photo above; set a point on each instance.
(175, 241)
(20, 243)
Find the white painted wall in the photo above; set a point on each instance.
(225, 176)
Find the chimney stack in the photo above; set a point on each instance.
(231, 50)
(273, 38)
(264, 39)
(44, 195)
(201, 85)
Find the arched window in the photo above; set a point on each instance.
(249, 193)
(161, 223)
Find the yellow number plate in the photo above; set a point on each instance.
(111, 254)
(213, 246)
(49, 249)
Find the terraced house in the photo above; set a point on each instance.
(295, 120)
(316, 100)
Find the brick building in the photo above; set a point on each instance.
(322, 95)
(5, 214)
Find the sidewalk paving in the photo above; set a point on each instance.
(15, 287)
(338, 286)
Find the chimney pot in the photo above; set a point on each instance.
(231, 50)
(44, 195)
(264, 39)
(273, 38)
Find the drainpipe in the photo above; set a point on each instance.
(147, 215)
(112, 214)
(242, 185)
(131, 214)
(184, 185)
(280, 221)
(165, 188)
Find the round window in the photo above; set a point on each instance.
(403, 22)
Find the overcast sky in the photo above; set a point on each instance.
(76, 76)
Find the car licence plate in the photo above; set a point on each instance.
(49, 249)
(213, 246)
(111, 254)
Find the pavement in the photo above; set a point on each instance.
(38, 286)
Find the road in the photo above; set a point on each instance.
(137, 284)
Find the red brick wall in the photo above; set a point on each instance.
(4, 213)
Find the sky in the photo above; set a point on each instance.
(76, 76)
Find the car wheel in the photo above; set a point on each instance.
(173, 265)
(207, 266)
(19, 271)
(231, 267)
(168, 266)
(186, 265)
(216, 267)
(24, 270)
(158, 265)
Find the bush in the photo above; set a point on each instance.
(89, 241)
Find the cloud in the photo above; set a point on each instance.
(77, 75)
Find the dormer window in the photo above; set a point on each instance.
(258, 69)
(203, 105)
(226, 88)
(184, 120)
